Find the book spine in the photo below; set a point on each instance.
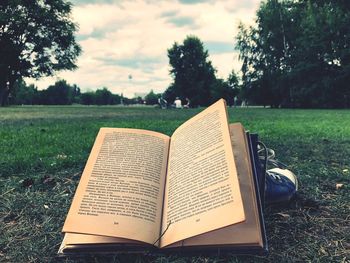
(259, 185)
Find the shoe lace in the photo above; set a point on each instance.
(267, 157)
(274, 176)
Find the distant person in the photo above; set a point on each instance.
(178, 103)
(235, 102)
(162, 103)
(187, 105)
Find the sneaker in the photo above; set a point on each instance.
(281, 185)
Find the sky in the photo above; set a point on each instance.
(125, 42)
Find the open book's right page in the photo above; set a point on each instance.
(202, 190)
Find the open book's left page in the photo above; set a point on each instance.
(121, 191)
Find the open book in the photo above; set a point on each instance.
(143, 189)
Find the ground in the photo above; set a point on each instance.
(44, 149)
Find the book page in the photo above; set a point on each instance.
(82, 239)
(247, 233)
(121, 190)
(202, 190)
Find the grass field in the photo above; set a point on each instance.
(44, 149)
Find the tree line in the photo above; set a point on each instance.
(194, 78)
(63, 93)
(297, 54)
(37, 38)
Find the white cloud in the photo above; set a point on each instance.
(120, 38)
(228, 62)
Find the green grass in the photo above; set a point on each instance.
(44, 149)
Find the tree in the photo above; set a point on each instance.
(193, 74)
(151, 98)
(36, 39)
(23, 94)
(321, 64)
(61, 93)
(226, 89)
(297, 54)
(264, 51)
(103, 96)
(88, 98)
(99, 97)
(115, 99)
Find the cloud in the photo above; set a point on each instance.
(218, 47)
(123, 37)
(191, 2)
(169, 13)
(86, 2)
(146, 64)
(182, 21)
(227, 61)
